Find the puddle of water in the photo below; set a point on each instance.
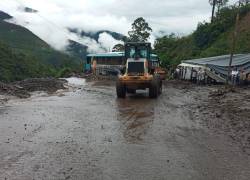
(74, 81)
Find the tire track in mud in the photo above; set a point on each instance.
(90, 134)
(135, 123)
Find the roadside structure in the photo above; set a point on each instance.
(111, 63)
(105, 62)
(215, 68)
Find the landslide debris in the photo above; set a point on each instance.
(227, 109)
(22, 89)
(12, 90)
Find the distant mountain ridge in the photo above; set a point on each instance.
(4, 16)
(23, 54)
(96, 35)
(74, 48)
(23, 40)
(18, 44)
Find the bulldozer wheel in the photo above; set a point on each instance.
(120, 90)
(154, 88)
(131, 91)
(160, 87)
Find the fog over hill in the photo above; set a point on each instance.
(52, 19)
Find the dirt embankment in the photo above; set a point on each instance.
(227, 110)
(92, 77)
(22, 89)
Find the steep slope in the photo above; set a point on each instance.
(209, 39)
(77, 50)
(22, 40)
(24, 55)
(18, 66)
(243, 43)
(4, 16)
(223, 43)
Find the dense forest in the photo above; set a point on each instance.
(17, 66)
(209, 39)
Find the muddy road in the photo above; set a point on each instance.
(88, 134)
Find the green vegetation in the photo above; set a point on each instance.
(209, 39)
(140, 33)
(64, 72)
(24, 55)
(18, 66)
(217, 4)
(24, 41)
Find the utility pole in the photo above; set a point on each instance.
(213, 11)
(234, 40)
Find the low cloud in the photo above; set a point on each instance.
(108, 41)
(54, 17)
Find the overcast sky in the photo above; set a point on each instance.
(178, 16)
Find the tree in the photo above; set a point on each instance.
(118, 48)
(218, 4)
(245, 2)
(140, 31)
(213, 4)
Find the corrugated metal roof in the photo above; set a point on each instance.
(110, 54)
(190, 65)
(219, 64)
(113, 54)
(223, 61)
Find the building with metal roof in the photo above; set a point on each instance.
(217, 67)
(110, 54)
(114, 54)
(110, 61)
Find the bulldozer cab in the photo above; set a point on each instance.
(137, 56)
(139, 74)
(137, 51)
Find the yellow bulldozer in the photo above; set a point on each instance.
(139, 73)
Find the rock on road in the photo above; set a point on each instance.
(89, 134)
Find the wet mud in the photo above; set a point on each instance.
(88, 133)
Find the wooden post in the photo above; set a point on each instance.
(214, 4)
(234, 40)
(191, 78)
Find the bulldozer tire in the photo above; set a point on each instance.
(120, 90)
(154, 88)
(131, 91)
(160, 87)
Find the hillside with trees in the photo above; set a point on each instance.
(22, 40)
(18, 66)
(210, 38)
(23, 54)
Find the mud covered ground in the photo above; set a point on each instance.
(223, 109)
(22, 89)
(189, 132)
(227, 110)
